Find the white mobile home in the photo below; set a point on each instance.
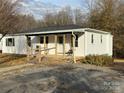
(61, 40)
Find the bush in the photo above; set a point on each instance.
(99, 60)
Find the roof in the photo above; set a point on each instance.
(52, 28)
(59, 29)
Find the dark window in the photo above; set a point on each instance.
(101, 38)
(29, 41)
(92, 39)
(10, 42)
(41, 40)
(47, 40)
(60, 40)
(76, 41)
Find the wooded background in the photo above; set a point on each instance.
(107, 15)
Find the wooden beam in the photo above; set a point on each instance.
(28, 54)
(64, 41)
(45, 44)
(39, 55)
(56, 45)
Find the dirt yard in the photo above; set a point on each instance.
(55, 75)
(65, 78)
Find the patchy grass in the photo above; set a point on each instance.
(11, 60)
(7, 60)
(118, 65)
(118, 60)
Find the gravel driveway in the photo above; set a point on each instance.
(63, 79)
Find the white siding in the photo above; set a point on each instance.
(19, 48)
(97, 47)
(0, 43)
(80, 50)
(110, 45)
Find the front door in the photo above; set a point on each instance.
(60, 44)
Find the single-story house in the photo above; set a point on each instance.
(59, 41)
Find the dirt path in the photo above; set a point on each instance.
(2, 70)
(64, 79)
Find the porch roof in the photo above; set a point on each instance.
(53, 30)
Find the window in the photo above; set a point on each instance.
(92, 39)
(101, 39)
(60, 40)
(76, 41)
(41, 40)
(10, 42)
(29, 41)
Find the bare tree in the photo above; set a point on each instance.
(104, 15)
(8, 17)
(62, 17)
(27, 22)
(65, 16)
(79, 17)
(49, 19)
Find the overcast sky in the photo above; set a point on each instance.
(39, 7)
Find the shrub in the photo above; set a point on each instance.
(98, 60)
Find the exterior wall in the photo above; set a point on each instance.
(80, 50)
(110, 45)
(0, 43)
(97, 47)
(19, 48)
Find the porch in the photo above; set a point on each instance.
(52, 44)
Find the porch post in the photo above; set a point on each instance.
(73, 41)
(28, 54)
(56, 45)
(44, 44)
(64, 38)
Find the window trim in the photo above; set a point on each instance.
(10, 44)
